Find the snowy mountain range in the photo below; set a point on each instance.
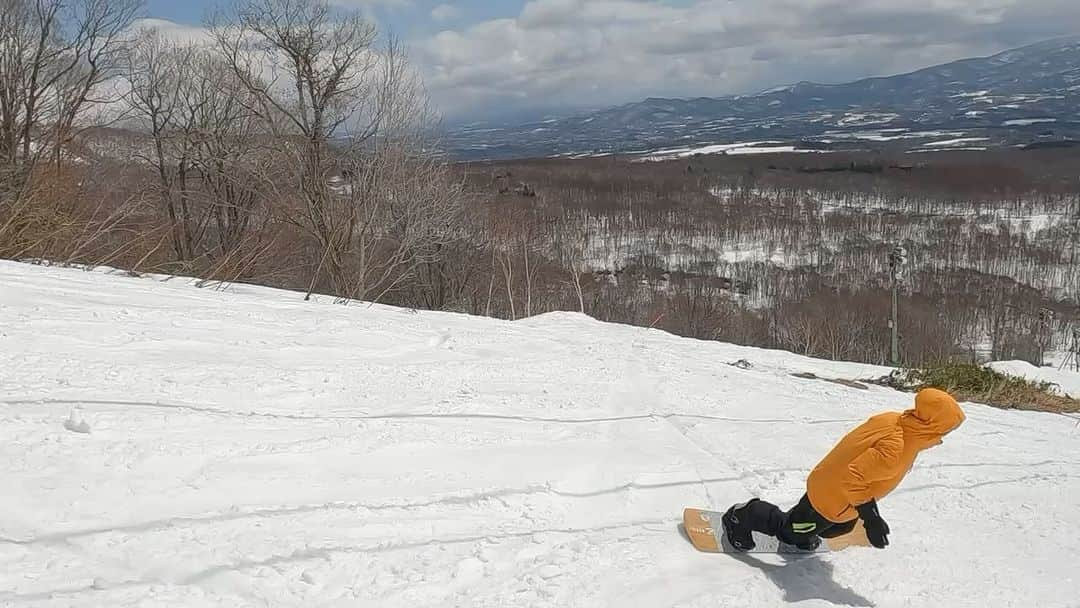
(1027, 96)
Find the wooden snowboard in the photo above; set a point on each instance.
(705, 532)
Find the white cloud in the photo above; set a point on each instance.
(175, 31)
(368, 4)
(582, 52)
(445, 12)
(559, 53)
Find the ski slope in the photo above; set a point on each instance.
(1061, 377)
(246, 448)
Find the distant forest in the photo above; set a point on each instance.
(213, 173)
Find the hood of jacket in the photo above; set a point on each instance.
(935, 415)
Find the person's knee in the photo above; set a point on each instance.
(839, 529)
(805, 536)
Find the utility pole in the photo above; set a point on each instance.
(897, 259)
(1044, 335)
(1076, 349)
(1072, 358)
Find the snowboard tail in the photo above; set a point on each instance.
(707, 535)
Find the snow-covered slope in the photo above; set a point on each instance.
(1064, 379)
(248, 449)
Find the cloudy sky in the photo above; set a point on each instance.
(491, 58)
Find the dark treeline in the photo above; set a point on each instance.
(776, 252)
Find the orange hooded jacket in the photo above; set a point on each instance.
(871, 461)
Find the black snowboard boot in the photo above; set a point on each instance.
(737, 527)
(809, 545)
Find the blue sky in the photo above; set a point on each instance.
(491, 58)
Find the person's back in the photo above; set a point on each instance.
(864, 467)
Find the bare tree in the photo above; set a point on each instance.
(231, 154)
(309, 73)
(572, 238)
(354, 119)
(55, 57)
(208, 160)
(400, 211)
(158, 72)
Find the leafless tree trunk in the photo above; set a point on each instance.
(157, 71)
(309, 74)
(576, 271)
(506, 263)
(573, 236)
(54, 57)
(491, 283)
(528, 278)
(374, 197)
(206, 159)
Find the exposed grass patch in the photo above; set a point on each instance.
(971, 382)
(840, 381)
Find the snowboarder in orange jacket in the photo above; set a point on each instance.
(864, 467)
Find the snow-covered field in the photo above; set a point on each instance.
(246, 448)
(1063, 377)
(743, 148)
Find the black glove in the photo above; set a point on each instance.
(876, 528)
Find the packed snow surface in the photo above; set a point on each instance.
(1064, 378)
(242, 447)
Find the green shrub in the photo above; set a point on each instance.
(971, 382)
